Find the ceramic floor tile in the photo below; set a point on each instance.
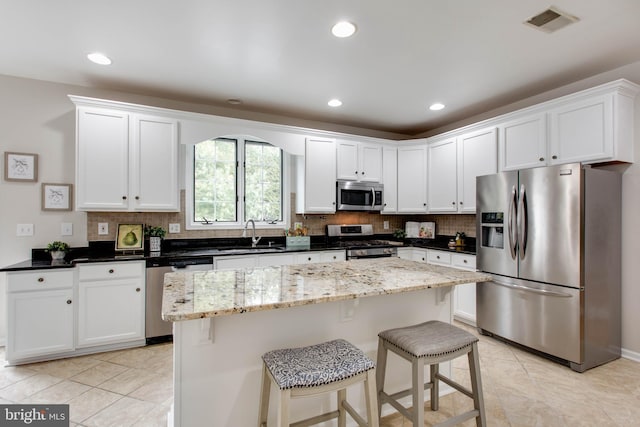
(99, 373)
(128, 381)
(124, 412)
(156, 391)
(157, 417)
(62, 392)
(90, 403)
(65, 368)
(12, 374)
(20, 390)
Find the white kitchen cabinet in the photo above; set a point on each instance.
(412, 179)
(125, 161)
(454, 164)
(464, 296)
(390, 179)
(40, 313)
(111, 303)
(359, 161)
(522, 143)
(443, 176)
(316, 177)
(477, 156)
(235, 261)
(267, 260)
(320, 257)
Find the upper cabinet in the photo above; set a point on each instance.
(390, 179)
(125, 161)
(454, 164)
(359, 161)
(316, 180)
(523, 142)
(412, 179)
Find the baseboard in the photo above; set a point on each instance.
(631, 355)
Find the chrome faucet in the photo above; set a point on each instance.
(254, 239)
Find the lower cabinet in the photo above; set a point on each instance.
(249, 261)
(111, 303)
(464, 296)
(40, 308)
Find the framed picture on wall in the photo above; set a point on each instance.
(20, 167)
(130, 237)
(57, 197)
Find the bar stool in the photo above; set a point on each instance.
(430, 343)
(321, 368)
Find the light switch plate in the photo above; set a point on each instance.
(24, 230)
(174, 228)
(103, 228)
(386, 225)
(66, 229)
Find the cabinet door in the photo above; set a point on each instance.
(464, 297)
(371, 163)
(333, 256)
(154, 160)
(102, 153)
(412, 179)
(320, 176)
(442, 177)
(241, 261)
(390, 179)
(110, 311)
(347, 160)
(582, 131)
(39, 323)
(275, 259)
(477, 155)
(522, 143)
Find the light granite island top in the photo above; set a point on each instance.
(204, 294)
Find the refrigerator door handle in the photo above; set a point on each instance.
(522, 222)
(532, 290)
(512, 217)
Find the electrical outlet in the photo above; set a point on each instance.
(386, 225)
(24, 230)
(103, 228)
(66, 229)
(174, 228)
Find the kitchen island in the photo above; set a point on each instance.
(225, 320)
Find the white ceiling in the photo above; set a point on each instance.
(279, 57)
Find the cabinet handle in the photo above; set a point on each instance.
(40, 279)
(424, 204)
(438, 256)
(334, 257)
(453, 203)
(309, 258)
(137, 197)
(460, 202)
(111, 271)
(124, 197)
(362, 173)
(554, 157)
(356, 172)
(465, 261)
(541, 159)
(137, 289)
(68, 301)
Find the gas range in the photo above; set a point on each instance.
(357, 240)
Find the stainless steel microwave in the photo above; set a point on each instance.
(359, 196)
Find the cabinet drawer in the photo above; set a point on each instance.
(467, 262)
(110, 270)
(39, 280)
(438, 257)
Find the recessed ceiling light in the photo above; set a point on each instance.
(334, 103)
(437, 106)
(99, 58)
(343, 29)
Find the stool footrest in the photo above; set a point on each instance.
(455, 385)
(357, 418)
(385, 398)
(316, 420)
(458, 419)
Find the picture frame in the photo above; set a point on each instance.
(20, 167)
(130, 237)
(57, 197)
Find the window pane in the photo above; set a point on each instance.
(215, 180)
(263, 181)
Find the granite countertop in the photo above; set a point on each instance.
(202, 294)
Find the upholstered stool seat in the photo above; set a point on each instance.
(321, 368)
(430, 343)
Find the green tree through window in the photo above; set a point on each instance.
(262, 182)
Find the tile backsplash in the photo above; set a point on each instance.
(445, 224)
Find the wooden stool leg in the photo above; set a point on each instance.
(435, 387)
(371, 399)
(476, 385)
(381, 367)
(264, 398)
(417, 366)
(283, 410)
(342, 413)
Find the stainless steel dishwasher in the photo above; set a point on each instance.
(156, 329)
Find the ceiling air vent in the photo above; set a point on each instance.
(551, 20)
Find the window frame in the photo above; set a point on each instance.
(191, 224)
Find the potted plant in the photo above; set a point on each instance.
(57, 249)
(155, 234)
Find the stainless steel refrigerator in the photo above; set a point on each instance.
(550, 237)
